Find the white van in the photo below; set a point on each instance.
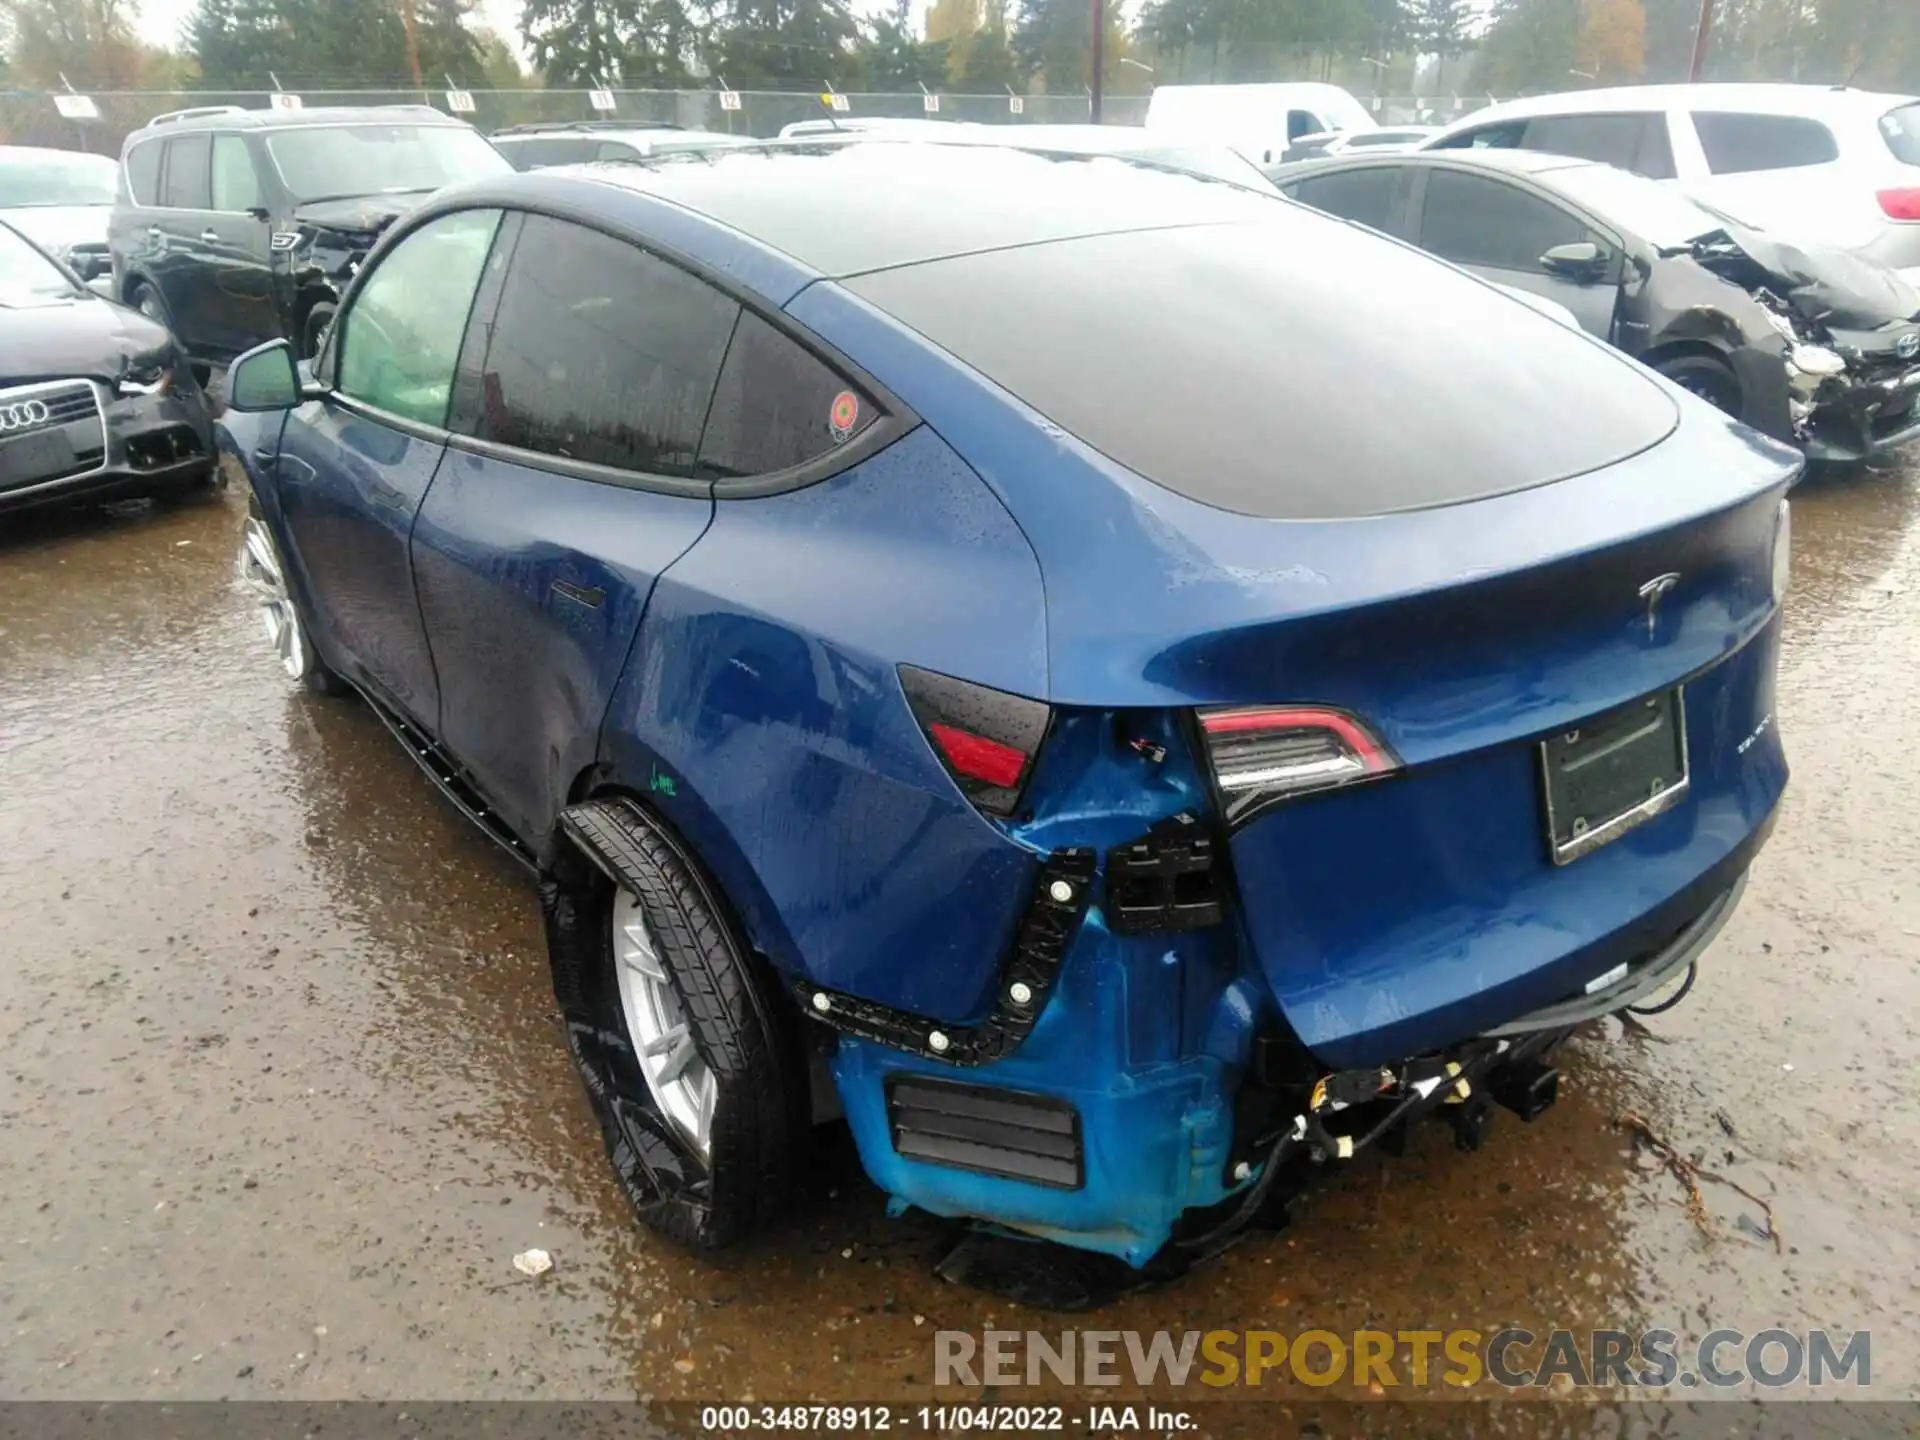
(1257, 120)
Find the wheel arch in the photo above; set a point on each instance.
(670, 802)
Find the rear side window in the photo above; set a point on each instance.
(189, 173)
(1365, 196)
(1472, 220)
(1504, 136)
(143, 173)
(1901, 130)
(778, 405)
(602, 353)
(1736, 144)
(1636, 142)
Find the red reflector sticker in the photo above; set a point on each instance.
(844, 414)
(979, 758)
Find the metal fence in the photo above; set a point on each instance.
(31, 118)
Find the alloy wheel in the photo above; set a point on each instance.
(261, 572)
(677, 1076)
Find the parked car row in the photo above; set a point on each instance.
(1076, 741)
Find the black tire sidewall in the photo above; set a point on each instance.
(313, 329)
(1688, 370)
(759, 1119)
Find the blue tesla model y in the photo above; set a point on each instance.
(1114, 682)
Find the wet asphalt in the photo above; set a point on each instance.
(282, 1090)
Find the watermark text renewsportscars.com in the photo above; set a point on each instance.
(1377, 1360)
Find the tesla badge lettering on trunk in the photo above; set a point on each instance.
(1651, 593)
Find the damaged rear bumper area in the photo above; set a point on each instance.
(1086, 1131)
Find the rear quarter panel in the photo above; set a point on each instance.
(761, 713)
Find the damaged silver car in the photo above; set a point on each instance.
(1812, 346)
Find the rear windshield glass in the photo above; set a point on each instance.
(1901, 130)
(1294, 368)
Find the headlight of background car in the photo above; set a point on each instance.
(1782, 551)
(150, 374)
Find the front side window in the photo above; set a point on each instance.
(1364, 196)
(614, 150)
(777, 405)
(400, 338)
(1474, 220)
(188, 184)
(55, 177)
(1737, 144)
(235, 185)
(602, 353)
(335, 162)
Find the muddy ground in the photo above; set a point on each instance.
(282, 1092)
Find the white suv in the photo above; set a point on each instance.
(1834, 165)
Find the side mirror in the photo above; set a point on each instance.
(91, 267)
(1581, 262)
(265, 378)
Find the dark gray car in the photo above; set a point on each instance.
(235, 227)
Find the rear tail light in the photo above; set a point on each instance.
(1271, 753)
(1901, 204)
(986, 739)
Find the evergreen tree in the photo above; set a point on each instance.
(894, 58)
(448, 43)
(783, 44)
(310, 42)
(578, 42)
(1053, 44)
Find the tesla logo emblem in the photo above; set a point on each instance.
(1908, 346)
(1652, 591)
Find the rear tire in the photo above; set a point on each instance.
(1712, 380)
(712, 1182)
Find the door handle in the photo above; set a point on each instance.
(386, 495)
(157, 237)
(209, 237)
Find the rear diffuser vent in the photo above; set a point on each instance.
(996, 1132)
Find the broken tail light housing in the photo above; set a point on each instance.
(986, 739)
(1903, 204)
(1262, 755)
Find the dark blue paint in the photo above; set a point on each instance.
(740, 672)
(766, 682)
(348, 489)
(526, 669)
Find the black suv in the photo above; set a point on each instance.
(234, 226)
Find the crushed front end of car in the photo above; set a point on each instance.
(1853, 331)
